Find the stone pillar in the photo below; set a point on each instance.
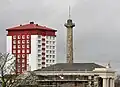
(107, 82)
(96, 83)
(113, 82)
(104, 82)
(89, 83)
(69, 25)
(69, 45)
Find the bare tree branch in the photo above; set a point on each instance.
(117, 81)
(7, 66)
(10, 79)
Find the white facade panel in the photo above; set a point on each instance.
(9, 50)
(51, 50)
(33, 56)
(9, 44)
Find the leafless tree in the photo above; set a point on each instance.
(9, 78)
(7, 69)
(117, 81)
(26, 79)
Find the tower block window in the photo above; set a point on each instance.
(23, 36)
(14, 37)
(19, 36)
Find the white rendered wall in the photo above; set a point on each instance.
(9, 50)
(50, 43)
(9, 44)
(55, 50)
(39, 63)
(33, 56)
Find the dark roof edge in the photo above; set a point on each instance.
(71, 63)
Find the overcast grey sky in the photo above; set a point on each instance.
(97, 31)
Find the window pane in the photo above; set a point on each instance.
(39, 46)
(18, 46)
(28, 36)
(23, 51)
(18, 60)
(14, 37)
(23, 46)
(18, 56)
(14, 46)
(14, 41)
(14, 51)
(23, 41)
(23, 55)
(39, 41)
(18, 51)
(18, 36)
(18, 41)
(28, 51)
(23, 36)
(27, 46)
(23, 60)
(27, 41)
(39, 36)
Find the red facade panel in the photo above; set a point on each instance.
(20, 49)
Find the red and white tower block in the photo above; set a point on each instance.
(34, 46)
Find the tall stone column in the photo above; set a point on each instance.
(113, 82)
(90, 79)
(96, 82)
(107, 79)
(69, 25)
(104, 82)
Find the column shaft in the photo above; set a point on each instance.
(69, 45)
(113, 82)
(104, 82)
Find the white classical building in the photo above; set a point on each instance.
(34, 46)
(108, 76)
(76, 75)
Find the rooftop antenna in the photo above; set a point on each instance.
(69, 12)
